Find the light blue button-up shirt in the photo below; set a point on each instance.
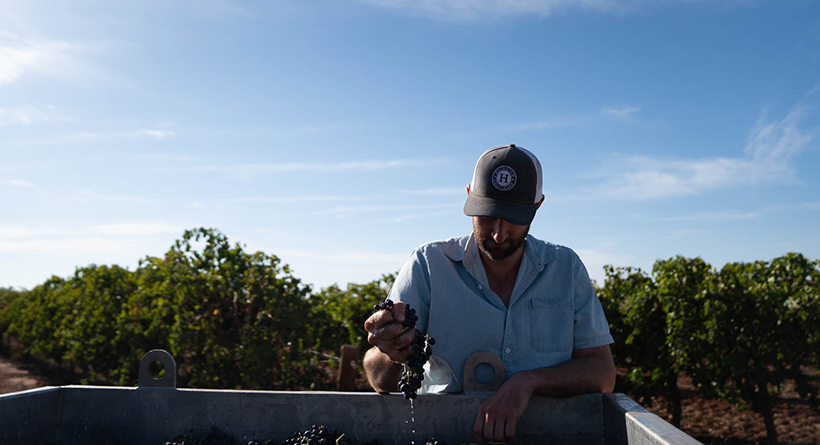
(553, 308)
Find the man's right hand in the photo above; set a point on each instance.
(386, 332)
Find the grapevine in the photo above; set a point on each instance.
(413, 373)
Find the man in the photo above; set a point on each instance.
(498, 290)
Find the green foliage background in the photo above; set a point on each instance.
(740, 333)
(232, 319)
(240, 320)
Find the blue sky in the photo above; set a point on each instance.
(339, 135)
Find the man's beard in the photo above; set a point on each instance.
(498, 252)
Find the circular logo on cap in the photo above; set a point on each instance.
(504, 178)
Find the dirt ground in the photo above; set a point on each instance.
(14, 378)
(712, 422)
(716, 422)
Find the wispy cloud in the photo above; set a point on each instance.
(113, 238)
(135, 229)
(724, 215)
(156, 134)
(350, 210)
(544, 124)
(317, 128)
(775, 143)
(89, 136)
(437, 191)
(371, 258)
(19, 183)
(489, 9)
(315, 166)
(415, 216)
(621, 112)
(735, 215)
(7, 232)
(161, 157)
(83, 195)
(64, 61)
(475, 10)
(221, 8)
(768, 155)
(74, 245)
(83, 136)
(128, 229)
(301, 199)
(29, 114)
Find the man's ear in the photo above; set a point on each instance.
(539, 202)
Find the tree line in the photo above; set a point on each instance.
(233, 319)
(739, 332)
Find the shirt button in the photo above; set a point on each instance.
(480, 287)
(507, 350)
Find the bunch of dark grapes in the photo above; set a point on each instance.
(383, 305)
(413, 373)
(316, 435)
(215, 436)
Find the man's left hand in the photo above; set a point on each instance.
(498, 417)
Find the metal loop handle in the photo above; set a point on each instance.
(169, 380)
(471, 383)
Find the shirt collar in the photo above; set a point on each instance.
(465, 249)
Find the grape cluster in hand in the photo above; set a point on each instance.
(413, 373)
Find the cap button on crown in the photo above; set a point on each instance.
(512, 145)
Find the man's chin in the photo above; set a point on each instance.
(497, 253)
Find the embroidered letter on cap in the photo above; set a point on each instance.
(504, 178)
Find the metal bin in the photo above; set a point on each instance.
(156, 411)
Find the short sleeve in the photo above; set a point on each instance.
(591, 328)
(412, 287)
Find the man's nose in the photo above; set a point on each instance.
(499, 231)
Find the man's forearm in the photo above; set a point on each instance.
(382, 373)
(581, 375)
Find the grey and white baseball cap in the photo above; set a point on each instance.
(506, 184)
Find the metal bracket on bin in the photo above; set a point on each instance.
(471, 383)
(168, 380)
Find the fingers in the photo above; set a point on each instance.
(404, 339)
(397, 348)
(392, 335)
(398, 311)
(385, 316)
(478, 427)
(378, 321)
(386, 332)
(509, 432)
(494, 428)
(489, 428)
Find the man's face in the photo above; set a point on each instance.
(498, 238)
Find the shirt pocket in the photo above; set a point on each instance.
(551, 325)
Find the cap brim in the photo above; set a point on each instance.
(514, 212)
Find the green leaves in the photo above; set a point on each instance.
(739, 333)
(638, 322)
(231, 318)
